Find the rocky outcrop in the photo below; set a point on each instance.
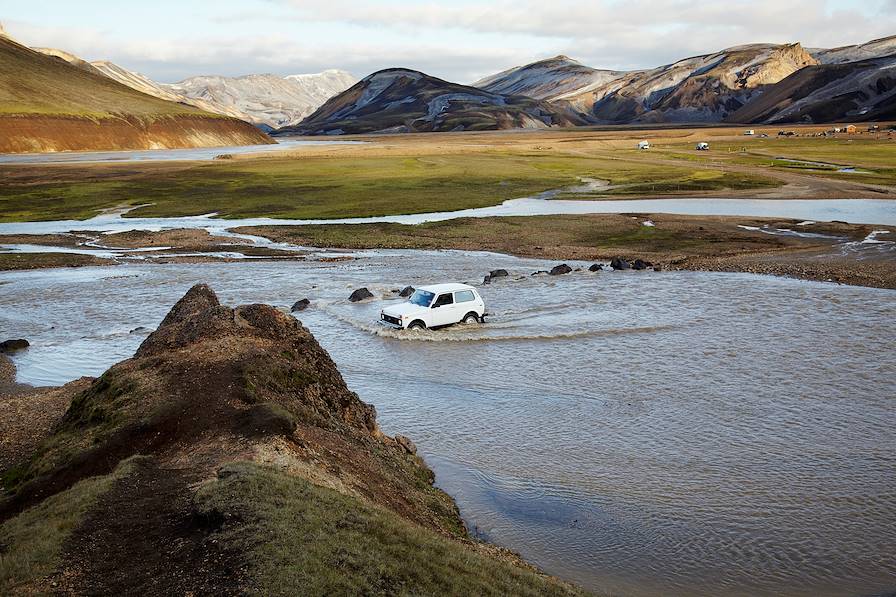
(361, 294)
(13, 345)
(498, 273)
(595, 267)
(640, 264)
(406, 292)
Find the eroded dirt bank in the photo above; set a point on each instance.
(25, 134)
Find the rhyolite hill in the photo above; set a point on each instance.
(49, 104)
(754, 83)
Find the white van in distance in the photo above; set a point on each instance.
(435, 306)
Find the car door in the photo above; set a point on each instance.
(443, 310)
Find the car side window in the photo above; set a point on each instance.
(444, 299)
(464, 296)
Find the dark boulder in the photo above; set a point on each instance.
(596, 267)
(360, 294)
(640, 264)
(13, 345)
(498, 273)
(540, 272)
(560, 269)
(620, 263)
(300, 305)
(657, 268)
(406, 444)
(406, 291)
(140, 330)
(487, 279)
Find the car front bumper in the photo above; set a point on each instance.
(390, 320)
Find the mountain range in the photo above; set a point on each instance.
(267, 101)
(756, 83)
(53, 100)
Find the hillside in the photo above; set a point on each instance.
(403, 100)
(266, 100)
(876, 48)
(48, 104)
(547, 79)
(704, 88)
(864, 90)
(146, 85)
(229, 457)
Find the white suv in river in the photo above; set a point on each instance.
(435, 306)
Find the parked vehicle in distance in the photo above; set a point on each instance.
(644, 145)
(436, 306)
(750, 132)
(702, 146)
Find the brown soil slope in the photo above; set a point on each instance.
(228, 456)
(47, 104)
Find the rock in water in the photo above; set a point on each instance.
(640, 264)
(361, 294)
(620, 263)
(596, 267)
(560, 269)
(13, 345)
(498, 273)
(300, 305)
(487, 279)
(406, 291)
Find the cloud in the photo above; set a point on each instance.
(460, 41)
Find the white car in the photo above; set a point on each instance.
(435, 306)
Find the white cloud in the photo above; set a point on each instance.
(462, 40)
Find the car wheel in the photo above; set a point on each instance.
(416, 325)
(470, 318)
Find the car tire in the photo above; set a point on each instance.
(470, 317)
(416, 325)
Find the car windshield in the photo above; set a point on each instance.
(421, 297)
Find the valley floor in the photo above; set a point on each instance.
(421, 173)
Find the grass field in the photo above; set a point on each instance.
(406, 174)
(873, 156)
(333, 187)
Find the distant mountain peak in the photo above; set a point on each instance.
(394, 73)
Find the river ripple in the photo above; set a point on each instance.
(642, 433)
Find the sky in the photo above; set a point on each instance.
(457, 40)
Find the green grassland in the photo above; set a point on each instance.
(873, 158)
(336, 186)
(302, 537)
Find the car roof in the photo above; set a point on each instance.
(451, 287)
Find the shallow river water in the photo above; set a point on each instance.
(641, 433)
